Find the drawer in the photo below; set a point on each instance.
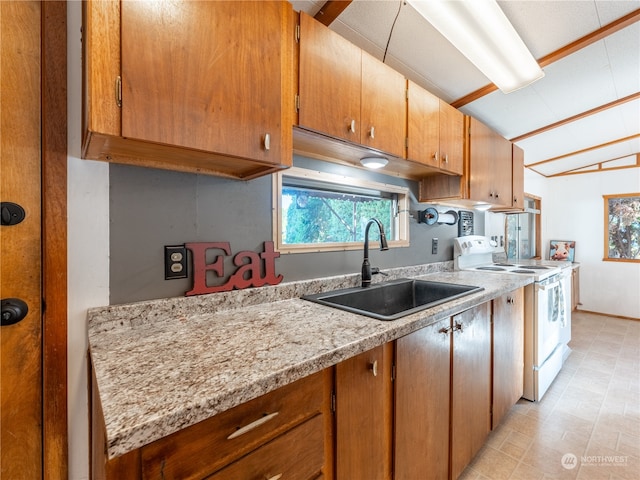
(207, 446)
(298, 454)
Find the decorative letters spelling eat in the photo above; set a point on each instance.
(248, 273)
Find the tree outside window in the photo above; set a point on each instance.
(622, 222)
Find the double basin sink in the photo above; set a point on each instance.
(394, 299)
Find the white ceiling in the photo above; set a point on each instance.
(601, 73)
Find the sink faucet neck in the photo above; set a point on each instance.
(366, 266)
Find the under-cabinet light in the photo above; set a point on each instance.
(483, 207)
(374, 162)
(483, 34)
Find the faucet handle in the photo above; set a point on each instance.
(376, 270)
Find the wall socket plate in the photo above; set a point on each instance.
(175, 262)
(434, 246)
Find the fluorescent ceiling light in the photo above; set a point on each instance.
(374, 162)
(483, 34)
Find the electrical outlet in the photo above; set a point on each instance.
(175, 262)
(434, 246)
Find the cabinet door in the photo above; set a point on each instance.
(422, 403)
(502, 171)
(481, 162)
(384, 103)
(451, 139)
(363, 415)
(423, 126)
(508, 353)
(208, 76)
(470, 386)
(329, 81)
(518, 177)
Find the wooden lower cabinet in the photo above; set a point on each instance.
(298, 431)
(422, 403)
(508, 353)
(364, 406)
(443, 395)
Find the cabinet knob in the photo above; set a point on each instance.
(267, 141)
(275, 477)
(435, 156)
(510, 301)
(497, 195)
(352, 126)
(372, 132)
(446, 159)
(374, 368)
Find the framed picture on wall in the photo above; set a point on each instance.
(564, 250)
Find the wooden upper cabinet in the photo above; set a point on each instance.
(205, 86)
(364, 405)
(383, 107)
(348, 94)
(518, 178)
(329, 82)
(490, 166)
(435, 131)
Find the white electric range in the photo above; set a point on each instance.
(547, 318)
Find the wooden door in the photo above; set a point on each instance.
(423, 126)
(451, 139)
(20, 245)
(518, 177)
(470, 386)
(329, 81)
(422, 403)
(384, 107)
(508, 353)
(211, 76)
(363, 415)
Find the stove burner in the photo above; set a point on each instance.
(523, 271)
(533, 267)
(504, 264)
(494, 269)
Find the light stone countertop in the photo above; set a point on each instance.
(163, 365)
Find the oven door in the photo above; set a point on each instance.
(549, 310)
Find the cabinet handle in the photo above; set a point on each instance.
(497, 195)
(445, 330)
(251, 426)
(510, 301)
(352, 126)
(515, 199)
(119, 91)
(275, 477)
(372, 132)
(446, 159)
(267, 141)
(374, 368)
(435, 156)
(491, 194)
(458, 326)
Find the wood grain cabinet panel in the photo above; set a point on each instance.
(364, 404)
(518, 178)
(470, 385)
(192, 86)
(422, 403)
(435, 131)
(348, 94)
(508, 353)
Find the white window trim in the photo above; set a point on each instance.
(402, 223)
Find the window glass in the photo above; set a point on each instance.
(319, 211)
(622, 227)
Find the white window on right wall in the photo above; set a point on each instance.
(622, 227)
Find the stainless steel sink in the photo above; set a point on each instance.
(394, 299)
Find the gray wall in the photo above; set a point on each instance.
(153, 208)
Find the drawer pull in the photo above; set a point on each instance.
(275, 477)
(251, 426)
(267, 141)
(374, 368)
(352, 126)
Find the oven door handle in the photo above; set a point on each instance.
(547, 287)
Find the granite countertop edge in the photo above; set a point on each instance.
(163, 365)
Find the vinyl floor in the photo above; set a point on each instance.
(587, 426)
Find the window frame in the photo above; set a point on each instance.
(606, 199)
(402, 222)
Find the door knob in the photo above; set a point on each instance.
(13, 310)
(11, 213)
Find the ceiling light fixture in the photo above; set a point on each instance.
(483, 34)
(374, 162)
